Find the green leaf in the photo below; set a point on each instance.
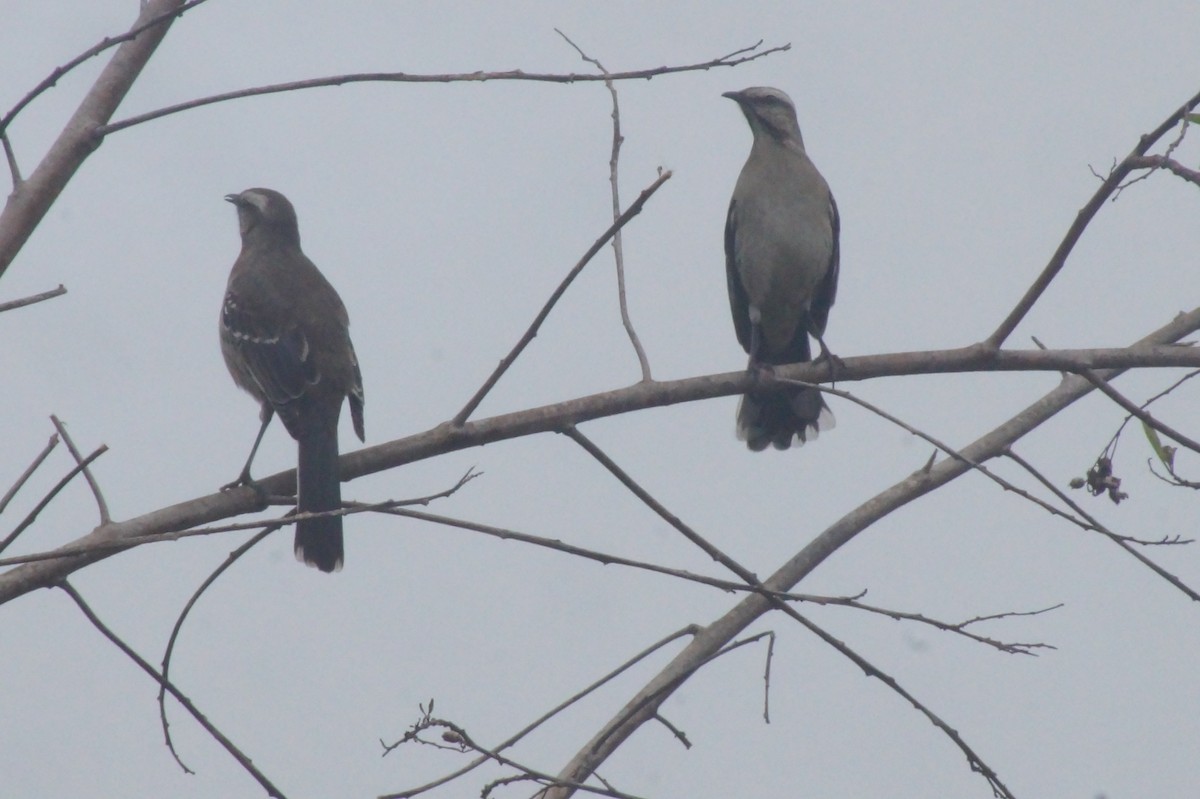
(1165, 454)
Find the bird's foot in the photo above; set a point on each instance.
(761, 372)
(835, 363)
(244, 479)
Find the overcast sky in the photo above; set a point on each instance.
(959, 140)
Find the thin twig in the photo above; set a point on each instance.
(632, 211)
(291, 517)
(609, 559)
(977, 764)
(1172, 477)
(642, 494)
(1110, 449)
(613, 172)
(50, 495)
(1121, 541)
(217, 735)
(25, 475)
(1082, 220)
(651, 702)
(960, 628)
(14, 169)
(1153, 164)
(1139, 413)
(604, 558)
(1082, 519)
(559, 708)
(101, 505)
(731, 60)
(31, 200)
(187, 609)
(676, 733)
(1169, 164)
(232, 558)
(34, 298)
(458, 736)
(108, 41)
(942, 446)
(767, 679)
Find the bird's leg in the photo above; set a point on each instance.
(755, 365)
(835, 363)
(244, 479)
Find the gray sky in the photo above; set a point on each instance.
(958, 139)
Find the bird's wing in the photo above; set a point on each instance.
(826, 291)
(739, 303)
(357, 397)
(277, 359)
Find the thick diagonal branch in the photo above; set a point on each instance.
(643, 706)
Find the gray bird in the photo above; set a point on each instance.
(285, 335)
(781, 260)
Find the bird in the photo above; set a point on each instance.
(781, 262)
(285, 337)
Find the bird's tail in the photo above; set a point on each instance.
(319, 541)
(781, 417)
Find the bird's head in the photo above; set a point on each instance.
(265, 213)
(769, 111)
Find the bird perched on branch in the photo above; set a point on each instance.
(781, 260)
(286, 340)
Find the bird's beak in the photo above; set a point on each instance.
(735, 96)
(236, 199)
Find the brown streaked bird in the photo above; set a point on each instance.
(285, 335)
(781, 261)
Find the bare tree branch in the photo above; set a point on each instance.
(33, 298)
(234, 556)
(104, 548)
(947, 449)
(1110, 450)
(1139, 413)
(59, 72)
(459, 739)
(916, 485)
(960, 628)
(141, 662)
(646, 707)
(30, 201)
(1122, 541)
(50, 495)
(25, 475)
(14, 169)
(1082, 220)
(560, 707)
(446, 437)
(740, 56)
(730, 586)
(1153, 162)
(101, 504)
(620, 222)
(613, 175)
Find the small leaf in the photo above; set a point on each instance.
(1166, 455)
